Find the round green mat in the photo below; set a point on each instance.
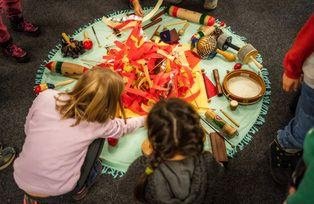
(117, 159)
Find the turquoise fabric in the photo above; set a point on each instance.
(117, 159)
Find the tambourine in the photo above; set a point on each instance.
(244, 86)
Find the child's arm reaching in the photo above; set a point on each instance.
(117, 127)
(137, 7)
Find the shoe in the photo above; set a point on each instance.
(282, 163)
(7, 155)
(19, 24)
(12, 50)
(210, 4)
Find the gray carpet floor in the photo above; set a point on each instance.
(269, 25)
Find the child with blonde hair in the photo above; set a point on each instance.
(60, 127)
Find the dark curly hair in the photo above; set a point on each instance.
(173, 128)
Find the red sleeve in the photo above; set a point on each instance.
(302, 47)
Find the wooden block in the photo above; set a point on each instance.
(218, 148)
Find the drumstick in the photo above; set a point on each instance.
(158, 15)
(152, 23)
(218, 85)
(175, 23)
(230, 118)
(96, 36)
(182, 30)
(155, 32)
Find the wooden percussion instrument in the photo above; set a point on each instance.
(244, 86)
(191, 16)
(222, 124)
(245, 54)
(217, 80)
(208, 44)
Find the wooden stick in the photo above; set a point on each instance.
(182, 30)
(63, 83)
(175, 23)
(88, 60)
(96, 36)
(158, 14)
(230, 118)
(67, 40)
(152, 23)
(155, 32)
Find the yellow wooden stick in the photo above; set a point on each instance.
(175, 23)
(229, 117)
(67, 40)
(63, 83)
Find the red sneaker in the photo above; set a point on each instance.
(19, 24)
(13, 50)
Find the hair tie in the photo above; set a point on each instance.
(148, 170)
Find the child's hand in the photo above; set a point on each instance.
(289, 84)
(138, 8)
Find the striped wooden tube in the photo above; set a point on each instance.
(191, 16)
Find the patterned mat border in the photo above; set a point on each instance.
(231, 153)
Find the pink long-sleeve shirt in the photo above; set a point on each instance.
(54, 152)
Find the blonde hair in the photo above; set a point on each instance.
(96, 97)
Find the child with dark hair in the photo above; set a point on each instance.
(175, 168)
(13, 11)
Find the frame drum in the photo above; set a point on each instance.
(244, 86)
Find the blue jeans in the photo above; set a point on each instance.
(292, 136)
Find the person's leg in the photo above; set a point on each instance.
(90, 170)
(292, 136)
(7, 155)
(18, 23)
(210, 4)
(4, 34)
(287, 148)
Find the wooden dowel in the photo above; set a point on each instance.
(158, 15)
(63, 83)
(175, 23)
(230, 118)
(96, 36)
(155, 32)
(152, 23)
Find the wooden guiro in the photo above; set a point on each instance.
(222, 124)
(66, 68)
(191, 16)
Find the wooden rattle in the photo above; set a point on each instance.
(245, 54)
(87, 42)
(208, 44)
